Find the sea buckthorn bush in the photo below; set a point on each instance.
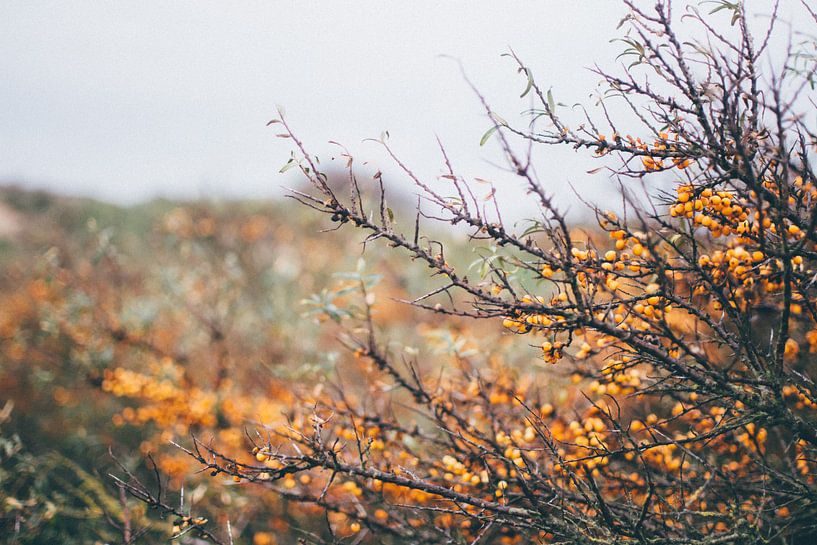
(674, 399)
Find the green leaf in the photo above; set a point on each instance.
(496, 117)
(735, 17)
(535, 228)
(551, 102)
(289, 164)
(530, 83)
(487, 135)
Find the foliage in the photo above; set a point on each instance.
(132, 328)
(46, 497)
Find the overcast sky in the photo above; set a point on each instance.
(129, 100)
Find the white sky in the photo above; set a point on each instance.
(129, 100)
